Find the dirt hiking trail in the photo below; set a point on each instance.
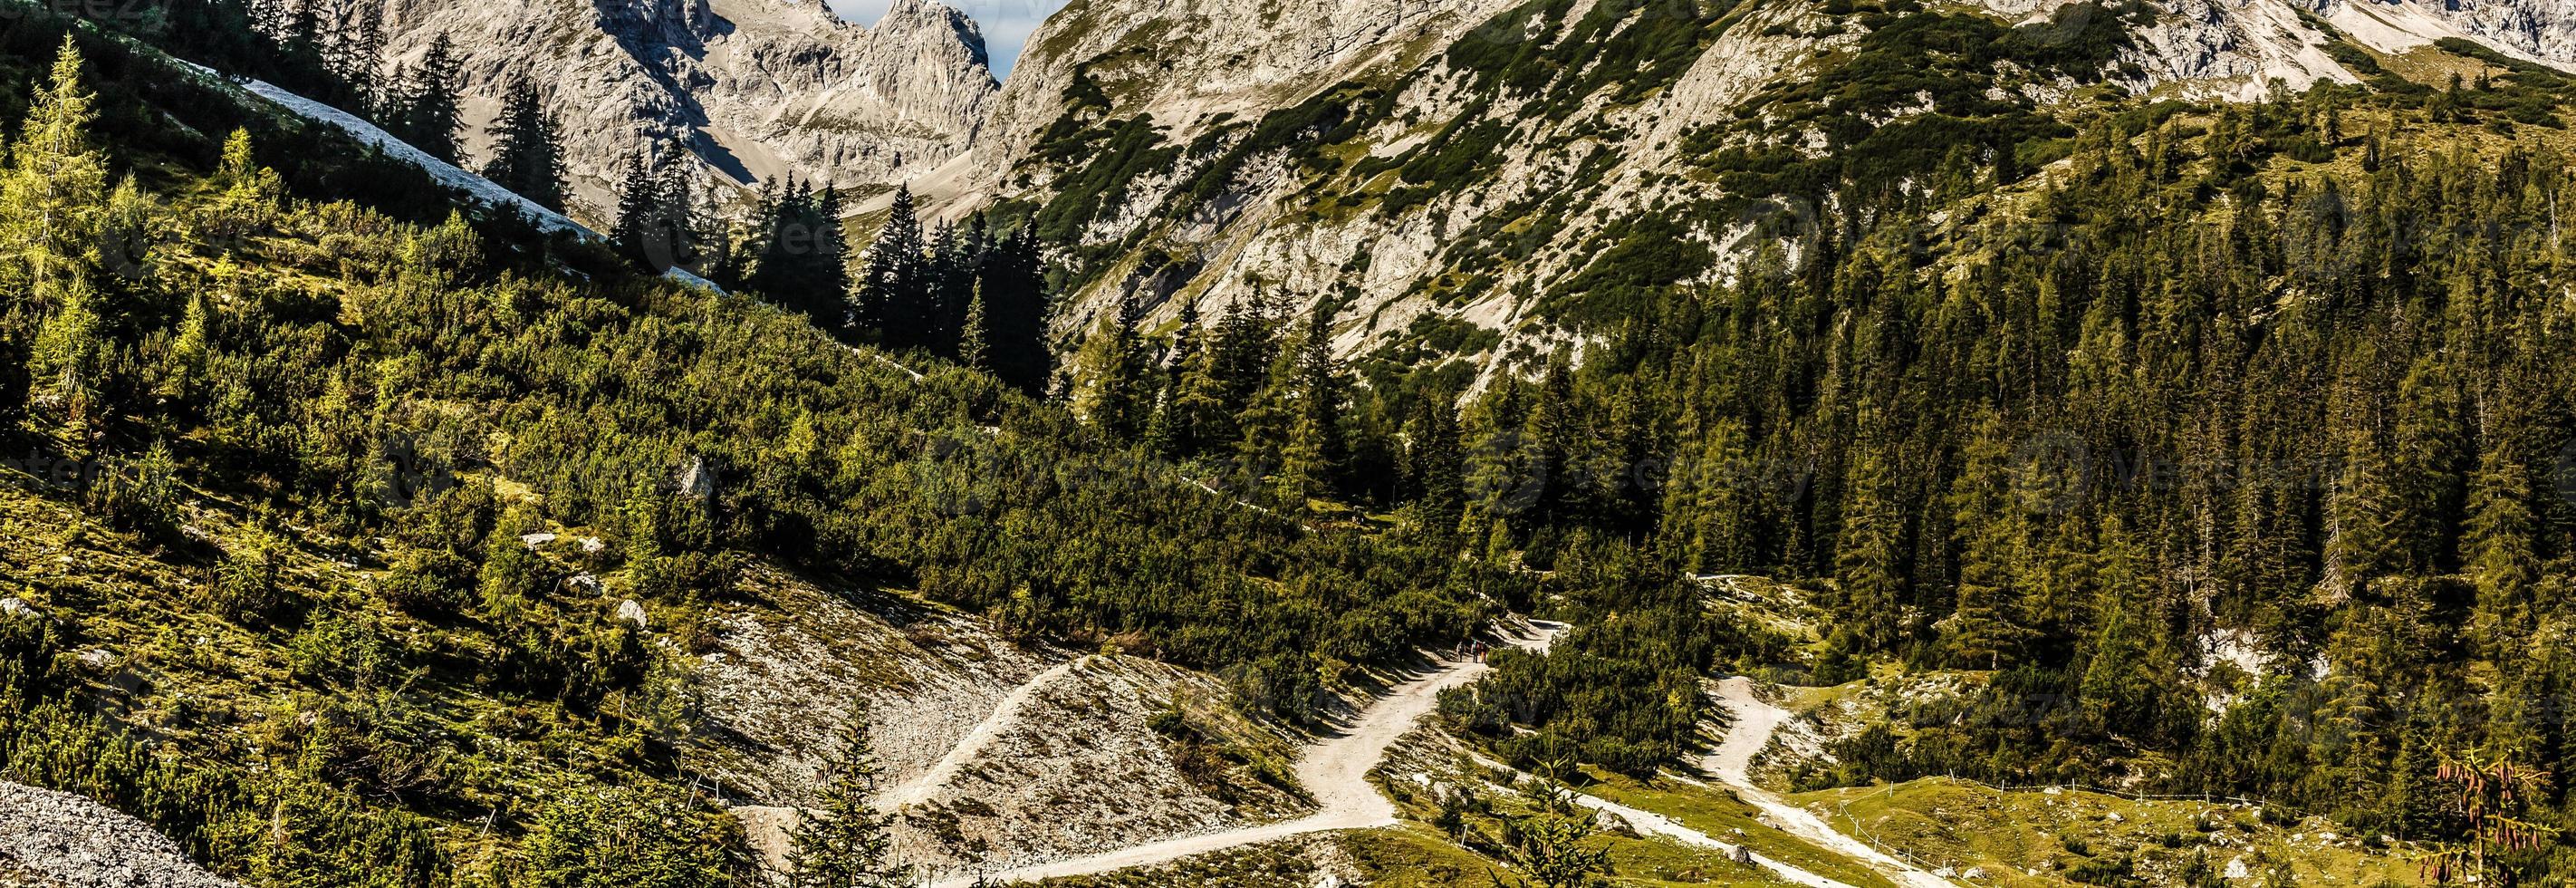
(1732, 761)
(1334, 770)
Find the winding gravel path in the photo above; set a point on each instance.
(1335, 771)
(1005, 713)
(1731, 763)
(1653, 824)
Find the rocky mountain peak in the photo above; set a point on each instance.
(752, 90)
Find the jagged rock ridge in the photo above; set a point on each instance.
(755, 89)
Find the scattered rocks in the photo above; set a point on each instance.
(697, 480)
(535, 540)
(15, 608)
(68, 841)
(632, 611)
(2236, 868)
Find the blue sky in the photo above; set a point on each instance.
(1006, 23)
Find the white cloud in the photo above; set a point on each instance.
(1006, 23)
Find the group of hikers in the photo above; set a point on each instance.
(1465, 649)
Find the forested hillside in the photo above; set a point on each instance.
(287, 417)
(2225, 450)
(2200, 447)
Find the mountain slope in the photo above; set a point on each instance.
(375, 566)
(1453, 169)
(757, 90)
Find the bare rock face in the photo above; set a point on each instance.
(2544, 30)
(756, 90)
(56, 840)
(1189, 61)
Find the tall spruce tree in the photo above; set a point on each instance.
(944, 265)
(1435, 463)
(527, 149)
(843, 842)
(56, 192)
(827, 265)
(1110, 377)
(894, 291)
(776, 220)
(1012, 281)
(432, 119)
(974, 344)
(639, 195)
(675, 218)
(1869, 548)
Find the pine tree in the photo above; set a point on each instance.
(527, 149)
(1495, 483)
(675, 219)
(1867, 553)
(69, 359)
(2359, 548)
(829, 263)
(1321, 398)
(2500, 551)
(936, 318)
(639, 196)
(1110, 391)
(300, 45)
(1436, 460)
(843, 842)
(895, 288)
(1547, 850)
(777, 221)
(1990, 528)
(1247, 341)
(56, 191)
(1546, 463)
(431, 118)
(1166, 432)
(1012, 281)
(1199, 419)
(1305, 465)
(190, 349)
(800, 261)
(356, 51)
(973, 345)
(1714, 515)
(961, 275)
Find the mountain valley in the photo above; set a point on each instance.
(1544, 444)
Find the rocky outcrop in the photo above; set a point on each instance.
(755, 90)
(2540, 29)
(56, 840)
(1188, 62)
